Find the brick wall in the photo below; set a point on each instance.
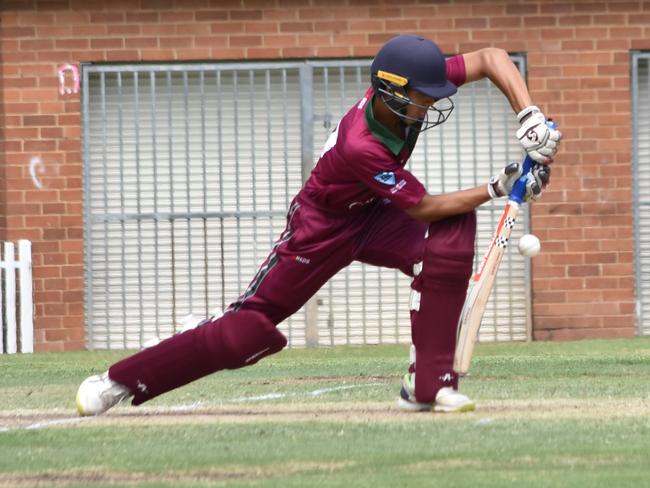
(578, 56)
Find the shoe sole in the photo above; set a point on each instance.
(407, 406)
(80, 409)
(470, 407)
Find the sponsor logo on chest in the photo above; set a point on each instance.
(398, 187)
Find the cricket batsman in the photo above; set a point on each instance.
(361, 204)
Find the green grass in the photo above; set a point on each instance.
(549, 414)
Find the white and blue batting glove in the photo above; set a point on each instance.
(538, 139)
(500, 185)
(536, 181)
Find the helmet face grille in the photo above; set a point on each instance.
(397, 100)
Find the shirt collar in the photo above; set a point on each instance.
(381, 132)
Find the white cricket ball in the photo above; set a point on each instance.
(529, 245)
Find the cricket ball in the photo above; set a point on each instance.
(529, 245)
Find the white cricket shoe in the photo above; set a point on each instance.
(98, 393)
(447, 400)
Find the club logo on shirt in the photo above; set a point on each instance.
(386, 177)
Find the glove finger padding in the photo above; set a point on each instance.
(538, 139)
(500, 185)
(536, 181)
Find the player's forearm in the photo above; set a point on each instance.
(437, 207)
(496, 65)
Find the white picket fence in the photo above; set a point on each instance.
(16, 326)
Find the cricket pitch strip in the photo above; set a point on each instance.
(335, 412)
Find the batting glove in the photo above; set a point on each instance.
(501, 185)
(536, 181)
(538, 139)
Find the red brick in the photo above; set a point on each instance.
(280, 14)
(176, 42)
(586, 270)
(520, 10)
(122, 30)
(261, 27)
(488, 35)
(298, 52)
(505, 22)
(625, 7)
(314, 39)
(578, 45)
(246, 14)
(550, 296)
(286, 27)
(140, 42)
(432, 24)
(625, 32)
(280, 40)
(608, 19)
(488, 10)
(333, 52)
(193, 54)
(211, 15)
(227, 27)
(112, 43)
(210, 41)
(470, 23)
(72, 17)
(35, 18)
(230, 53)
(536, 22)
(402, 25)
(592, 296)
(106, 17)
(36, 45)
(638, 19)
(245, 41)
(141, 17)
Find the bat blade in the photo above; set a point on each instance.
(479, 290)
(481, 283)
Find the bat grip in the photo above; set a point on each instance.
(519, 188)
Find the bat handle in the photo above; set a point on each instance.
(519, 188)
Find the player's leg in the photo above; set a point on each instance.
(443, 264)
(232, 341)
(246, 333)
(438, 294)
(393, 240)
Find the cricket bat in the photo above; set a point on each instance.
(480, 284)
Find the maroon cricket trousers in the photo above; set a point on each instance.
(314, 246)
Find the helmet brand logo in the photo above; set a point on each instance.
(392, 78)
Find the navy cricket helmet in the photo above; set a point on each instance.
(413, 62)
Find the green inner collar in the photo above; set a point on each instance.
(381, 132)
(390, 140)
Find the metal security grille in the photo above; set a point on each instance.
(641, 162)
(189, 171)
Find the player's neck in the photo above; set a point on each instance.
(388, 119)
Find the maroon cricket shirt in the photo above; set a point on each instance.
(362, 161)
